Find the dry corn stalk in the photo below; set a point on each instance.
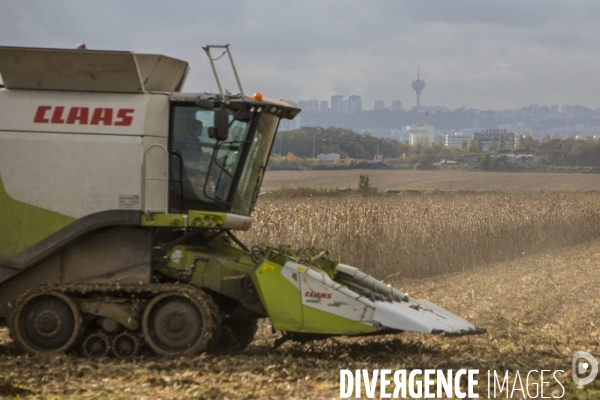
(428, 234)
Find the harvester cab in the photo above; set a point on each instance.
(119, 195)
(219, 146)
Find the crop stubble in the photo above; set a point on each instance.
(442, 180)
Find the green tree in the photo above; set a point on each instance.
(494, 145)
(521, 144)
(502, 143)
(485, 162)
(511, 142)
(473, 147)
(527, 143)
(363, 184)
(463, 146)
(423, 164)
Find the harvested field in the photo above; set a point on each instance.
(443, 180)
(538, 310)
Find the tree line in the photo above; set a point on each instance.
(308, 142)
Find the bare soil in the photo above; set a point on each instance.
(538, 310)
(442, 180)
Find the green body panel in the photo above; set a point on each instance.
(317, 321)
(195, 219)
(124, 313)
(317, 258)
(281, 299)
(24, 225)
(217, 266)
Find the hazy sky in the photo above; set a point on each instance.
(480, 54)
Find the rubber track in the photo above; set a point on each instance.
(142, 292)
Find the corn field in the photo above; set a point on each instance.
(419, 235)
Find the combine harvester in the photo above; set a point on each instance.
(118, 198)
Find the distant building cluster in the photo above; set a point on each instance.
(313, 105)
(354, 103)
(346, 106)
(328, 158)
(485, 138)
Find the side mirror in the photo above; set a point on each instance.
(220, 130)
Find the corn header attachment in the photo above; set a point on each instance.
(310, 294)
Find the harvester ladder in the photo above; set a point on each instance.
(212, 64)
(156, 184)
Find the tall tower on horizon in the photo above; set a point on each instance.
(418, 85)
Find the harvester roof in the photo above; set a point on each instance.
(90, 70)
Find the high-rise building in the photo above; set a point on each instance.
(457, 139)
(354, 104)
(303, 104)
(379, 104)
(337, 103)
(312, 105)
(418, 85)
(346, 106)
(324, 105)
(581, 112)
(488, 136)
(422, 134)
(397, 105)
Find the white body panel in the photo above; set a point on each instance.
(19, 109)
(424, 317)
(90, 70)
(318, 291)
(78, 166)
(322, 293)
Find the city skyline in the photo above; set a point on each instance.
(325, 105)
(539, 121)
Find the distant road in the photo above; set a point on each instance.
(444, 180)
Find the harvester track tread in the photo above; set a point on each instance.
(169, 344)
(120, 291)
(73, 342)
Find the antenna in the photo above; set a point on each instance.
(212, 64)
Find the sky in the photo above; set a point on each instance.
(478, 54)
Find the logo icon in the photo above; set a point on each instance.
(580, 367)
